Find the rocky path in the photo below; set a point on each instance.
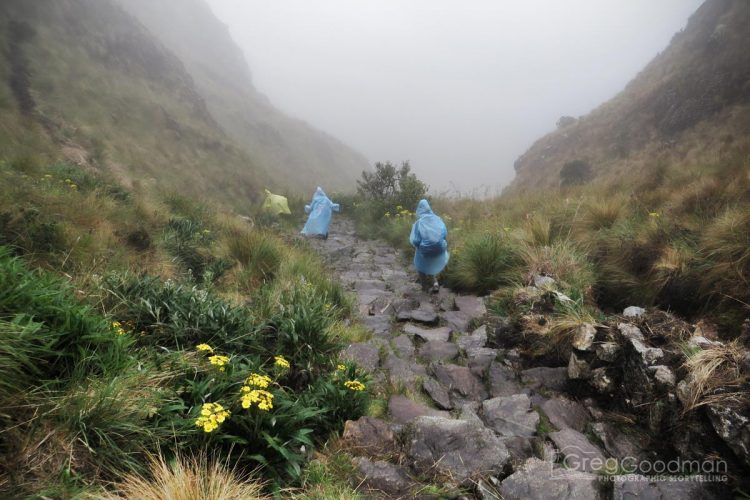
(462, 414)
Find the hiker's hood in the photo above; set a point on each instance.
(423, 208)
(319, 195)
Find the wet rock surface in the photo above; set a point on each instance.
(462, 397)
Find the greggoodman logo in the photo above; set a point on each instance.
(575, 460)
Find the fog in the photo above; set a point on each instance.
(458, 88)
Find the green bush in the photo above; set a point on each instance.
(387, 188)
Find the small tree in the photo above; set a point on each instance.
(575, 172)
(390, 186)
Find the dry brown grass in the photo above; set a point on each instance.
(186, 479)
(714, 375)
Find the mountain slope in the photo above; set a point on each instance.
(690, 104)
(86, 82)
(305, 157)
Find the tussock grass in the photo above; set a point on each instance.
(485, 262)
(714, 375)
(187, 478)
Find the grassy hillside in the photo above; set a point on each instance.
(288, 148)
(126, 315)
(688, 108)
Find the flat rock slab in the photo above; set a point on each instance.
(427, 334)
(459, 449)
(459, 381)
(540, 480)
(621, 444)
(403, 346)
(510, 415)
(402, 370)
(384, 477)
(380, 325)
(545, 378)
(566, 414)
(579, 454)
(471, 306)
(502, 381)
(437, 393)
(403, 410)
(419, 315)
(438, 350)
(457, 320)
(365, 354)
(477, 339)
(369, 435)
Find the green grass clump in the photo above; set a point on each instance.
(485, 262)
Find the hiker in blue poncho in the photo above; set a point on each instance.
(320, 209)
(429, 239)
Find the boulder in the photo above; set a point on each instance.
(620, 444)
(640, 487)
(583, 338)
(459, 449)
(545, 378)
(470, 411)
(459, 381)
(369, 435)
(577, 452)
(520, 450)
(510, 415)
(438, 350)
(437, 393)
(565, 414)
(403, 409)
(540, 480)
(633, 312)
(608, 351)
(384, 477)
(578, 369)
(364, 354)
(543, 281)
(732, 424)
(502, 380)
(663, 376)
(427, 334)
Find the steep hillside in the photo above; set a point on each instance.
(84, 81)
(689, 106)
(288, 148)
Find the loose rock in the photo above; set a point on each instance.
(510, 415)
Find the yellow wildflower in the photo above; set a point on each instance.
(281, 362)
(118, 328)
(212, 414)
(204, 347)
(219, 361)
(653, 214)
(257, 380)
(387, 214)
(341, 367)
(262, 399)
(354, 385)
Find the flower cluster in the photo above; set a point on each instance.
(212, 414)
(119, 330)
(219, 361)
(205, 347)
(71, 184)
(263, 399)
(400, 212)
(341, 367)
(354, 385)
(281, 362)
(257, 380)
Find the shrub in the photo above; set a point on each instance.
(388, 187)
(575, 172)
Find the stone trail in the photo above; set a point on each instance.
(463, 415)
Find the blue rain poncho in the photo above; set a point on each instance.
(320, 209)
(429, 238)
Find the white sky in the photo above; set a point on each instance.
(459, 88)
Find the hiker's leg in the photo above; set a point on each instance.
(424, 282)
